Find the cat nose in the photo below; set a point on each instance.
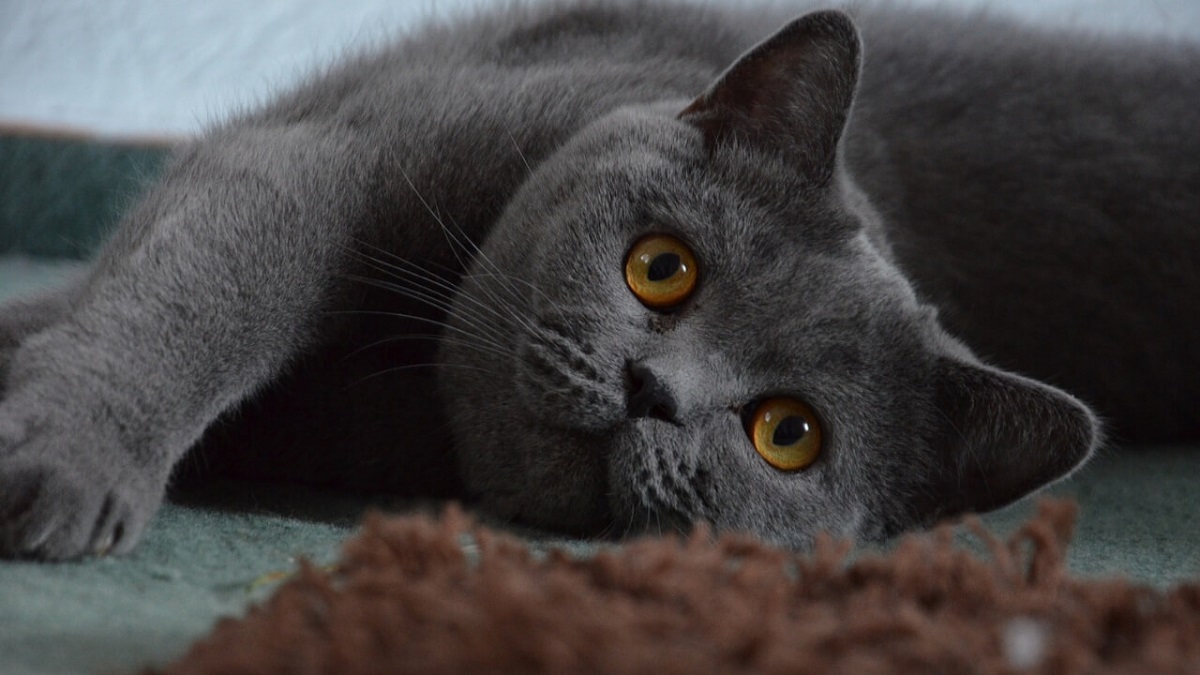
(648, 395)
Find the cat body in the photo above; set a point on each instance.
(407, 275)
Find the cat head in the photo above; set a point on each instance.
(689, 313)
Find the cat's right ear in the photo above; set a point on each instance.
(791, 93)
(1003, 436)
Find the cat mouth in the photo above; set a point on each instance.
(656, 484)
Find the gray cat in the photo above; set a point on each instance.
(568, 263)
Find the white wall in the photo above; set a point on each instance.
(165, 67)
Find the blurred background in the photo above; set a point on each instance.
(124, 69)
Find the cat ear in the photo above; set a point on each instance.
(791, 93)
(1003, 436)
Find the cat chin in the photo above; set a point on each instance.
(656, 482)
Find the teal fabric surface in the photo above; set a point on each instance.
(116, 615)
(21, 274)
(1139, 515)
(58, 197)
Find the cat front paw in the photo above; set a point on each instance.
(59, 502)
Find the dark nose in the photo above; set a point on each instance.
(648, 395)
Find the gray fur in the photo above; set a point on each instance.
(302, 297)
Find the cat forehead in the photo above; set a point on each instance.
(646, 158)
(771, 249)
(803, 311)
(768, 245)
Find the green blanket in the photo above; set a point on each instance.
(210, 553)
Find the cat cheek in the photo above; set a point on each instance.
(567, 377)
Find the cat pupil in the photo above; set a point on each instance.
(664, 266)
(790, 431)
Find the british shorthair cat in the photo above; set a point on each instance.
(610, 267)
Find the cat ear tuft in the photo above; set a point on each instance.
(790, 93)
(1003, 436)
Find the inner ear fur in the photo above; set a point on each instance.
(791, 93)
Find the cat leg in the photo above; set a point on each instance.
(24, 316)
(222, 275)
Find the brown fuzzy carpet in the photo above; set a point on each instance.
(407, 598)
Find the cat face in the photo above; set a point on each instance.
(700, 322)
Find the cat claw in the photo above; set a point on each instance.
(49, 511)
(105, 546)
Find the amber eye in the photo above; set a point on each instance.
(661, 271)
(786, 433)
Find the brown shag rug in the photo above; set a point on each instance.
(407, 598)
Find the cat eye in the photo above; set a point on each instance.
(786, 433)
(661, 271)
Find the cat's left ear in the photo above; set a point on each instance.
(1002, 436)
(791, 93)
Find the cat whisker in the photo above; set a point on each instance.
(437, 218)
(423, 268)
(414, 366)
(459, 240)
(456, 244)
(684, 526)
(441, 288)
(519, 153)
(628, 525)
(430, 297)
(433, 337)
(422, 319)
(503, 279)
(477, 254)
(399, 265)
(474, 320)
(470, 315)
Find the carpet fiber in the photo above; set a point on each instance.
(409, 596)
